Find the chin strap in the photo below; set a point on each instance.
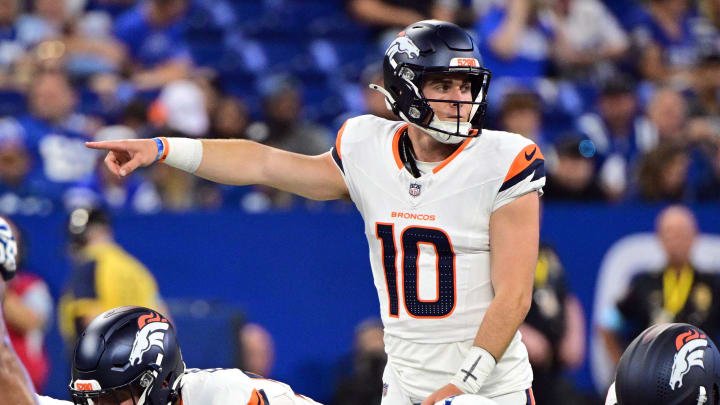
(441, 131)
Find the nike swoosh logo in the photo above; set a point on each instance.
(530, 156)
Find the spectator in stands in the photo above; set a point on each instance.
(667, 47)
(258, 350)
(90, 48)
(11, 48)
(667, 112)
(705, 99)
(516, 39)
(285, 128)
(707, 26)
(360, 373)
(571, 176)
(46, 22)
(230, 119)
(181, 110)
(154, 34)
(396, 14)
(679, 292)
(589, 41)
(618, 134)
(709, 188)
(28, 309)
(553, 332)
(102, 188)
(105, 276)
(55, 133)
(521, 113)
(663, 174)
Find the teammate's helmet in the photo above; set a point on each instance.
(669, 364)
(127, 352)
(434, 47)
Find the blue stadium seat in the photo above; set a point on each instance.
(248, 11)
(12, 103)
(286, 54)
(90, 102)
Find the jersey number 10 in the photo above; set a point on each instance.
(411, 238)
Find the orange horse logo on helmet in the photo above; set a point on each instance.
(152, 328)
(690, 348)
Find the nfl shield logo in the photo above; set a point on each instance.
(415, 189)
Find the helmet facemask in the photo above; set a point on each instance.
(406, 99)
(136, 390)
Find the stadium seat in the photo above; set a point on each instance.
(11, 103)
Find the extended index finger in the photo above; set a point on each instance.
(107, 145)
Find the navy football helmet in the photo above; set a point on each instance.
(127, 352)
(669, 364)
(434, 47)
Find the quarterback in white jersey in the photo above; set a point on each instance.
(429, 245)
(451, 215)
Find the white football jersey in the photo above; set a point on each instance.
(232, 386)
(429, 236)
(225, 386)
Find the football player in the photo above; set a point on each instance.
(451, 214)
(668, 364)
(130, 356)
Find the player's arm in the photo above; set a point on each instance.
(15, 386)
(514, 236)
(514, 240)
(236, 162)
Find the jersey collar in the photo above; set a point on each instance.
(401, 164)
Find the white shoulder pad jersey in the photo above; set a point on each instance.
(428, 236)
(225, 386)
(232, 386)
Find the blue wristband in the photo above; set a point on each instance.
(161, 148)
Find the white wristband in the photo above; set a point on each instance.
(474, 371)
(184, 154)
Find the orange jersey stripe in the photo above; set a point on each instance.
(256, 399)
(525, 158)
(396, 143)
(339, 137)
(451, 157)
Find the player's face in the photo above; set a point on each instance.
(119, 397)
(449, 87)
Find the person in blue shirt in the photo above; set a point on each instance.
(668, 46)
(55, 134)
(516, 39)
(154, 35)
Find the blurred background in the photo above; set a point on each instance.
(623, 97)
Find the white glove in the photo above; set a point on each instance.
(8, 251)
(467, 399)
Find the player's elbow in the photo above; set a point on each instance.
(516, 301)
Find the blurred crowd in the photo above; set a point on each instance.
(622, 96)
